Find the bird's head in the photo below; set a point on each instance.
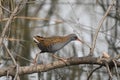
(74, 37)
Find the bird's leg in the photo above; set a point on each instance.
(36, 58)
(62, 59)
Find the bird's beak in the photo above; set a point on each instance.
(79, 40)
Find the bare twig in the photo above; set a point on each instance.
(17, 71)
(24, 58)
(93, 71)
(117, 57)
(116, 69)
(77, 22)
(8, 22)
(4, 31)
(108, 70)
(10, 54)
(31, 18)
(15, 63)
(99, 27)
(60, 75)
(8, 75)
(5, 9)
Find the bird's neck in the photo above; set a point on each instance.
(69, 40)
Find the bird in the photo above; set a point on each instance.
(54, 43)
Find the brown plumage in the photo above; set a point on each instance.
(53, 44)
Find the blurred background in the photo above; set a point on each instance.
(60, 17)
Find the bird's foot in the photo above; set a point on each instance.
(35, 59)
(59, 58)
(34, 62)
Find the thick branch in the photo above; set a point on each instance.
(56, 64)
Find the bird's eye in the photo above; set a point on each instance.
(75, 37)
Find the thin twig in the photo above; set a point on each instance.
(73, 10)
(31, 18)
(8, 22)
(5, 9)
(15, 63)
(22, 5)
(10, 54)
(24, 58)
(117, 57)
(17, 71)
(77, 23)
(59, 74)
(4, 31)
(7, 75)
(93, 71)
(108, 70)
(116, 69)
(99, 27)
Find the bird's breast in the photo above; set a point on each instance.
(58, 46)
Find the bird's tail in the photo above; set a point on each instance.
(36, 39)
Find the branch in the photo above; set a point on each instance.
(3, 35)
(93, 71)
(56, 64)
(116, 69)
(8, 51)
(31, 18)
(9, 21)
(108, 70)
(99, 27)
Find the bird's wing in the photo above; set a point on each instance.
(53, 40)
(48, 41)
